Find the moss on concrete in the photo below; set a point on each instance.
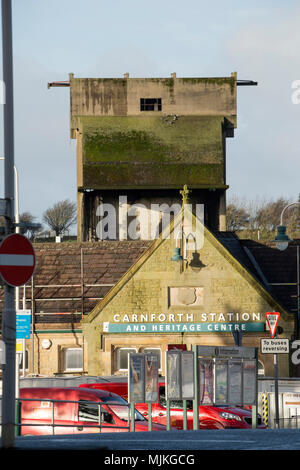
(132, 151)
(160, 175)
(193, 139)
(218, 81)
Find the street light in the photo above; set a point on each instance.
(281, 239)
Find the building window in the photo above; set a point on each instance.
(73, 360)
(122, 357)
(156, 351)
(150, 104)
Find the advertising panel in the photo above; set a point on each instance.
(221, 382)
(235, 382)
(151, 378)
(173, 375)
(206, 381)
(136, 378)
(187, 375)
(249, 382)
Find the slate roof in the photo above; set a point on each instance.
(61, 268)
(272, 268)
(278, 267)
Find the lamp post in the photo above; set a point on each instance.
(282, 240)
(9, 310)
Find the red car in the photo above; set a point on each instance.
(210, 417)
(74, 413)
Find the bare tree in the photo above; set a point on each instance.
(237, 217)
(61, 216)
(259, 219)
(28, 218)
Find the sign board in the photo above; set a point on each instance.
(275, 346)
(228, 376)
(272, 322)
(249, 381)
(180, 375)
(187, 375)
(17, 260)
(23, 324)
(19, 346)
(291, 400)
(143, 377)
(235, 377)
(227, 351)
(173, 375)
(151, 378)
(206, 381)
(136, 378)
(221, 382)
(170, 328)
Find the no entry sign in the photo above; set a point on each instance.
(17, 260)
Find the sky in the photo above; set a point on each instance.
(259, 40)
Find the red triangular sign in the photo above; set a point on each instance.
(272, 321)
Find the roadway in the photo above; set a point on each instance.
(246, 439)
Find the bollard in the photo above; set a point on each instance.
(18, 418)
(132, 417)
(168, 416)
(149, 416)
(264, 398)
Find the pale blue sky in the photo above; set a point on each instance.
(259, 40)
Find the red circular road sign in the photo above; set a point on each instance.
(17, 260)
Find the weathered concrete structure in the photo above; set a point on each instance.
(146, 138)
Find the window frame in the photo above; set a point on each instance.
(71, 369)
(149, 103)
(129, 349)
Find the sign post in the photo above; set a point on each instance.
(9, 311)
(17, 263)
(272, 321)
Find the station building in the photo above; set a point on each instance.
(163, 142)
(134, 297)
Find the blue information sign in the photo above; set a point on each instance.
(182, 327)
(23, 324)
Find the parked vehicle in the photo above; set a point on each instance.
(210, 417)
(77, 411)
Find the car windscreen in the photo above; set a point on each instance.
(116, 404)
